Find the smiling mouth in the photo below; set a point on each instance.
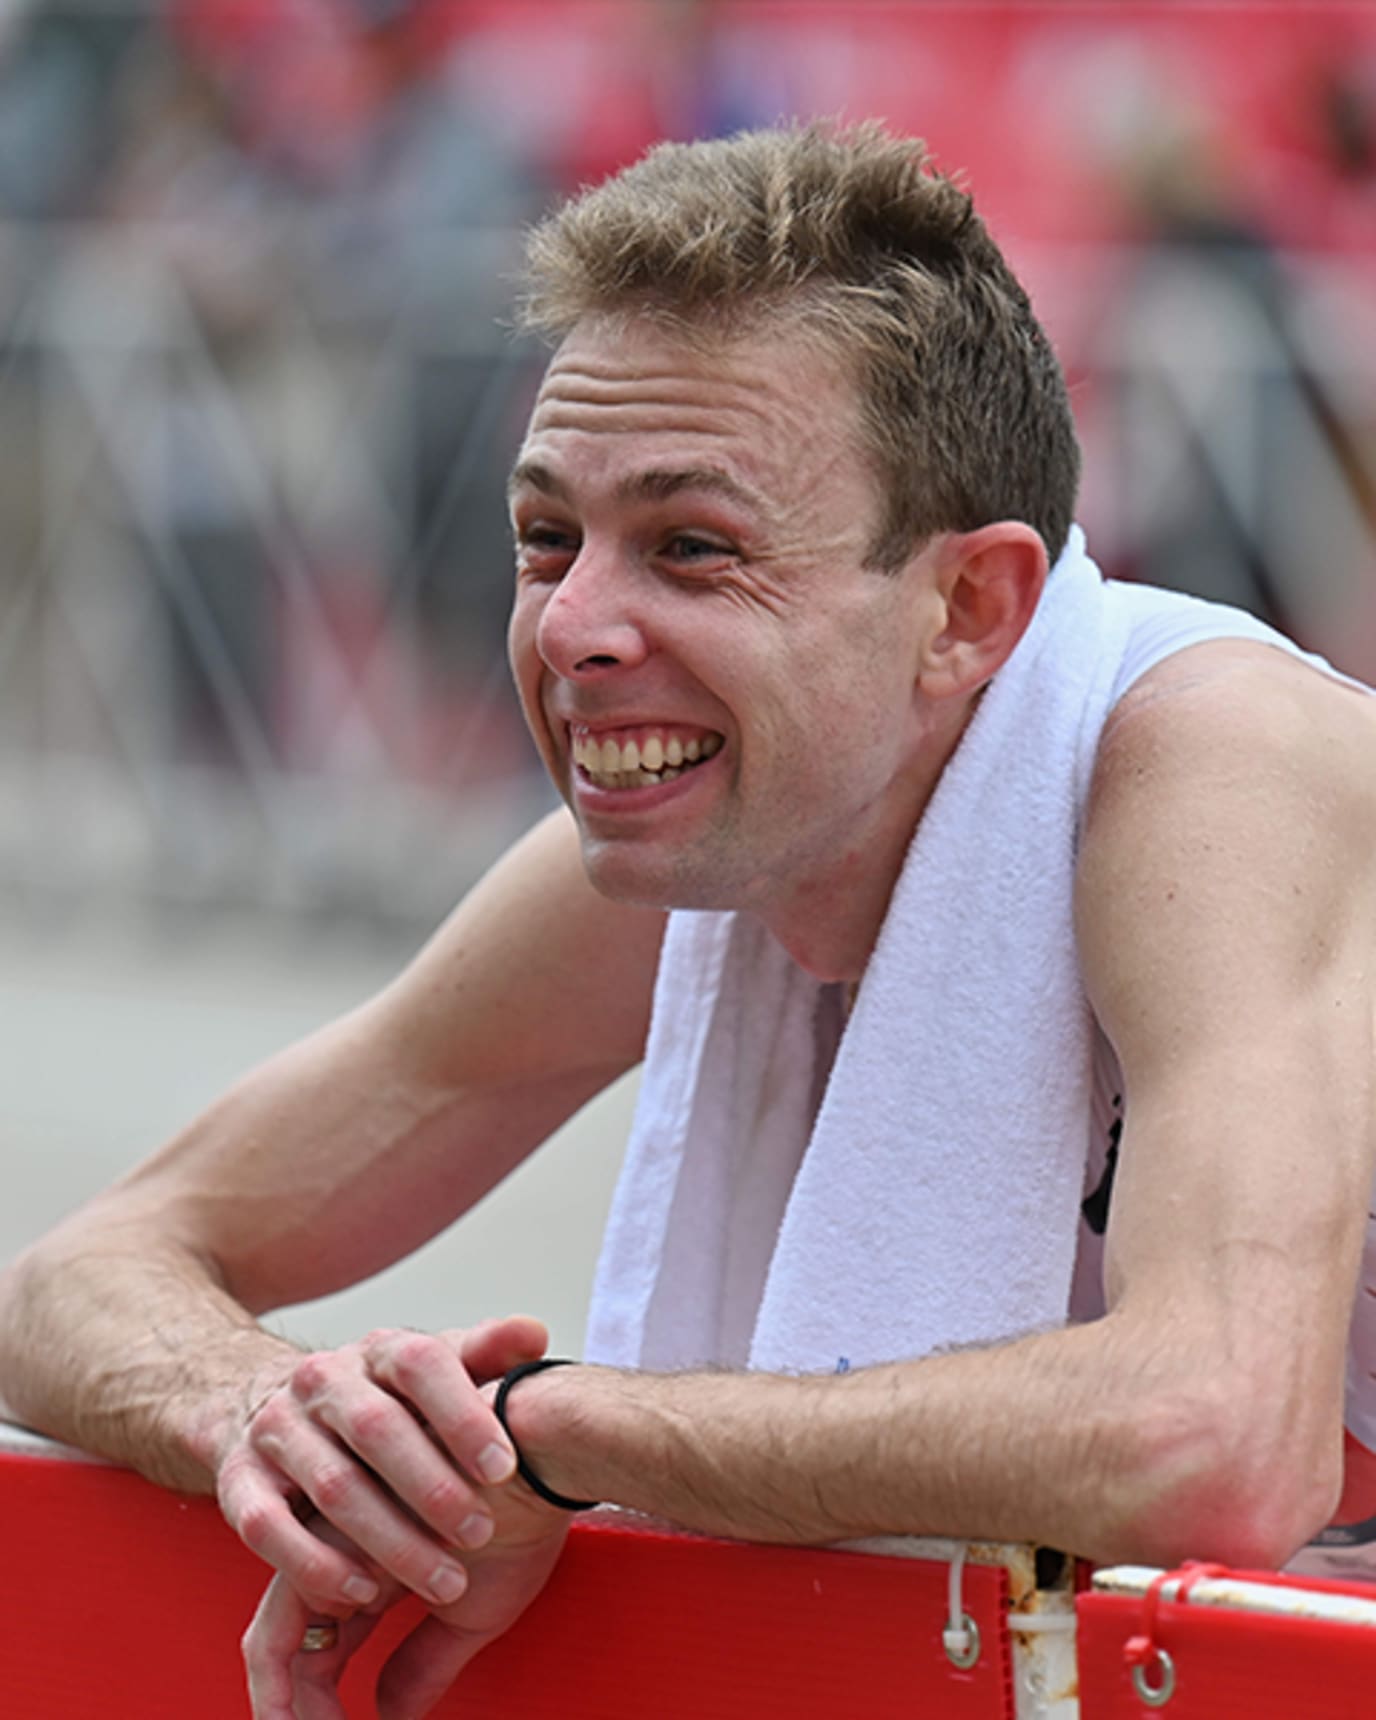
(641, 758)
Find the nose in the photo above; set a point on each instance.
(589, 624)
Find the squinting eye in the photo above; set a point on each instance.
(543, 537)
(687, 548)
(545, 549)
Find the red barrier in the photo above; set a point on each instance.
(1195, 1661)
(124, 1602)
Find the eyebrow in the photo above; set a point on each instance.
(531, 475)
(653, 486)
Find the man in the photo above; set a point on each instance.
(784, 515)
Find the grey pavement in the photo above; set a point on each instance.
(115, 1031)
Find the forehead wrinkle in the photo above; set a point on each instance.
(738, 418)
(610, 385)
(615, 374)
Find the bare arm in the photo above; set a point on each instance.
(129, 1330)
(1227, 921)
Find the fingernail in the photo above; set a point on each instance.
(360, 1590)
(447, 1583)
(475, 1531)
(496, 1462)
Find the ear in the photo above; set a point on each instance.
(987, 583)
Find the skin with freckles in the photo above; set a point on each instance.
(692, 525)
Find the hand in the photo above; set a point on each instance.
(285, 1684)
(390, 1441)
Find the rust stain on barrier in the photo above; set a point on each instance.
(1042, 1630)
(1044, 1670)
(1237, 1592)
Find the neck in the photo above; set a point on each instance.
(831, 924)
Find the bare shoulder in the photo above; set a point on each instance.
(1247, 698)
(533, 970)
(1231, 728)
(1230, 835)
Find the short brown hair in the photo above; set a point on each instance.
(964, 402)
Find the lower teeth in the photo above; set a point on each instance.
(636, 778)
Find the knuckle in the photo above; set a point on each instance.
(365, 1425)
(314, 1577)
(443, 1499)
(254, 1523)
(311, 1376)
(269, 1420)
(332, 1486)
(414, 1357)
(377, 1346)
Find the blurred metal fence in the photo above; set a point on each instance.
(254, 578)
(251, 600)
(1236, 423)
(257, 405)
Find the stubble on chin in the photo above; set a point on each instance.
(622, 871)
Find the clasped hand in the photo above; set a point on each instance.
(376, 1470)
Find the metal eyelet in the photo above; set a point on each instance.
(962, 1646)
(1159, 1694)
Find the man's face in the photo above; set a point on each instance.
(721, 690)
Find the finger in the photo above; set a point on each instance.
(423, 1667)
(315, 1677)
(285, 1681)
(269, 1644)
(348, 1496)
(426, 1371)
(423, 1381)
(255, 1497)
(415, 1460)
(490, 1348)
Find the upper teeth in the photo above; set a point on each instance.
(643, 758)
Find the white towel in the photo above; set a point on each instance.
(936, 1201)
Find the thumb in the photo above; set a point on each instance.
(424, 1666)
(489, 1349)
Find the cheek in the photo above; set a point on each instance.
(524, 660)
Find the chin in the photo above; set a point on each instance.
(615, 870)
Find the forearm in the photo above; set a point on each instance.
(131, 1349)
(1080, 1439)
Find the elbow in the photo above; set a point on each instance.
(1222, 1478)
